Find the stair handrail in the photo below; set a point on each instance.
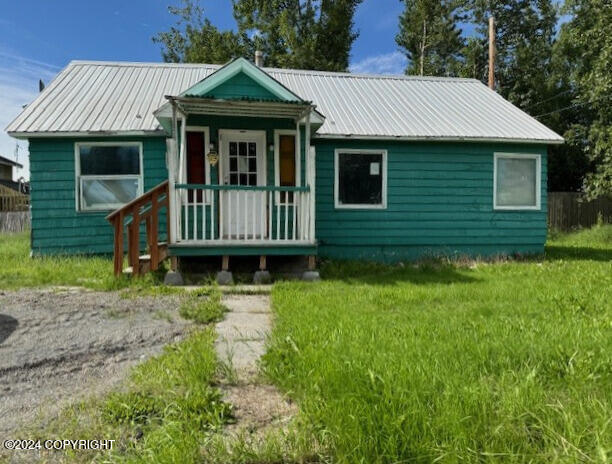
(138, 209)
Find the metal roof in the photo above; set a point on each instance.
(114, 97)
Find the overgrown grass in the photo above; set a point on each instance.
(164, 414)
(482, 362)
(19, 270)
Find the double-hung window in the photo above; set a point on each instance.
(360, 179)
(108, 174)
(516, 182)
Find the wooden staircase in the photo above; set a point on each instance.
(145, 208)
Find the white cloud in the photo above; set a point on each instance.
(18, 87)
(387, 63)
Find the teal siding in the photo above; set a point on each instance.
(57, 228)
(241, 86)
(439, 202)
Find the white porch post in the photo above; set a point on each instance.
(181, 197)
(171, 163)
(310, 155)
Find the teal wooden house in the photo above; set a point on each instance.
(191, 160)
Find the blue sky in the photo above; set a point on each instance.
(39, 37)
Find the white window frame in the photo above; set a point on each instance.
(337, 153)
(538, 178)
(297, 155)
(206, 131)
(78, 178)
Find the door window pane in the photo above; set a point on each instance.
(360, 178)
(516, 182)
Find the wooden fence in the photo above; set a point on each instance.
(14, 221)
(567, 210)
(12, 200)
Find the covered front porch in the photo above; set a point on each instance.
(244, 181)
(241, 172)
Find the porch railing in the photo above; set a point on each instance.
(243, 214)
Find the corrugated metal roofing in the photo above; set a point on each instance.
(102, 97)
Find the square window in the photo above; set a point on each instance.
(107, 175)
(517, 181)
(361, 179)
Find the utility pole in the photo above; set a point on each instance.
(492, 53)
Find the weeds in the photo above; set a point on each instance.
(203, 306)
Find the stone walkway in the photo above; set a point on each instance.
(240, 344)
(243, 332)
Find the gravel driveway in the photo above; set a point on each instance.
(59, 345)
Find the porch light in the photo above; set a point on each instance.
(271, 147)
(213, 156)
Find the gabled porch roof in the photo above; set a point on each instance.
(259, 95)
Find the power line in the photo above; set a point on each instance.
(577, 105)
(549, 99)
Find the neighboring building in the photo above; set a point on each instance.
(7, 175)
(275, 161)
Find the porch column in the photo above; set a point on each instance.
(171, 163)
(310, 173)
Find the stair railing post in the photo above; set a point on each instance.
(154, 231)
(135, 243)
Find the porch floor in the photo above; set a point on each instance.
(243, 249)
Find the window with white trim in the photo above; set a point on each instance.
(108, 175)
(360, 179)
(516, 181)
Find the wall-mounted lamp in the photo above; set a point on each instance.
(271, 147)
(213, 156)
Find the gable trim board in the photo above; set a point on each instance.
(234, 68)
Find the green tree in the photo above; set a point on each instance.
(429, 36)
(307, 34)
(525, 34)
(311, 34)
(194, 39)
(585, 43)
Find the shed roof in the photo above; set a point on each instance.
(9, 162)
(89, 97)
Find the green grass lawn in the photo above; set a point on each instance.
(18, 270)
(473, 362)
(484, 362)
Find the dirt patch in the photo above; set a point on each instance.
(59, 345)
(257, 408)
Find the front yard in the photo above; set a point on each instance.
(503, 362)
(438, 362)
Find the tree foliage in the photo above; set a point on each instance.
(585, 43)
(194, 39)
(429, 36)
(310, 34)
